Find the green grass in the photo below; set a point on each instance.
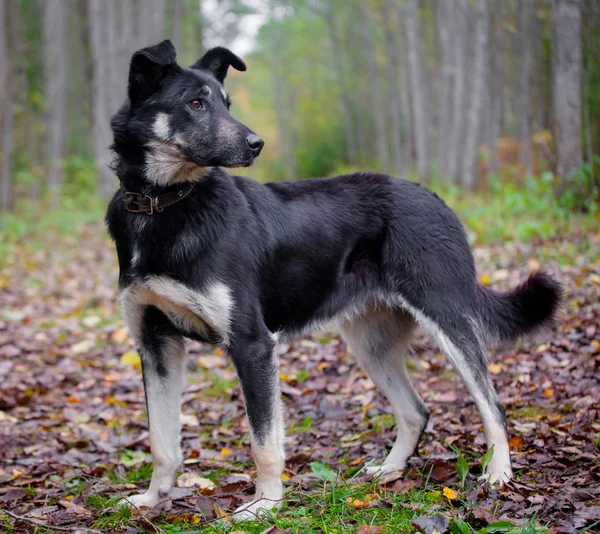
(339, 506)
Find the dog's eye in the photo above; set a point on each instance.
(196, 104)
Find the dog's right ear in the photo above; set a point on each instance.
(148, 67)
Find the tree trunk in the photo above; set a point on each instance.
(526, 15)
(377, 95)
(457, 136)
(101, 100)
(446, 84)
(416, 75)
(478, 83)
(495, 88)
(177, 18)
(6, 112)
(338, 62)
(404, 90)
(56, 82)
(567, 63)
(393, 63)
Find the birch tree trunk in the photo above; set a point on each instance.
(391, 52)
(6, 112)
(56, 82)
(177, 18)
(495, 87)
(404, 90)
(446, 84)
(478, 83)
(377, 94)
(456, 143)
(526, 10)
(418, 88)
(338, 62)
(101, 101)
(567, 63)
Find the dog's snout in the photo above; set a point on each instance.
(255, 143)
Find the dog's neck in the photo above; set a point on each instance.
(134, 178)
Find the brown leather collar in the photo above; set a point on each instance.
(150, 204)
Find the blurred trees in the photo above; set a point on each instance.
(452, 89)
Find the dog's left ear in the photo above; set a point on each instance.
(148, 68)
(217, 60)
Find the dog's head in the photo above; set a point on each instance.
(176, 123)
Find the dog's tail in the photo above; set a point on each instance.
(507, 316)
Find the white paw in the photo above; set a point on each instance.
(146, 501)
(254, 510)
(497, 477)
(381, 470)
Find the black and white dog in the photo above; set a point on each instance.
(224, 259)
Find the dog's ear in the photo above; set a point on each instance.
(148, 67)
(217, 60)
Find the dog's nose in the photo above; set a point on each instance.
(255, 143)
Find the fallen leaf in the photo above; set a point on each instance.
(133, 359)
(449, 493)
(432, 524)
(188, 480)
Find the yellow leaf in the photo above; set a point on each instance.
(359, 505)
(119, 335)
(449, 493)
(225, 452)
(133, 359)
(494, 368)
(485, 279)
(218, 352)
(283, 376)
(285, 476)
(188, 480)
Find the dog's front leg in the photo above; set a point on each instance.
(162, 353)
(257, 366)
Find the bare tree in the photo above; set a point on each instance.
(56, 82)
(101, 91)
(339, 65)
(177, 19)
(526, 9)
(459, 15)
(377, 94)
(495, 85)
(446, 84)
(418, 88)
(478, 80)
(393, 61)
(567, 63)
(6, 112)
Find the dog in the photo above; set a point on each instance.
(229, 261)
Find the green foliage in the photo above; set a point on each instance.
(323, 472)
(486, 458)
(509, 212)
(462, 466)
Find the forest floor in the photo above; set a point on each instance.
(74, 437)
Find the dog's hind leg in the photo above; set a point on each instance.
(162, 353)
(380, 341)
(459, 337)
(256, 363)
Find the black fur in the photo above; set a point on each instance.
(292, 254)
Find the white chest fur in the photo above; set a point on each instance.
(189, 309)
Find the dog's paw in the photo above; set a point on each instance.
(377, 471)
(497, 477)
(254, 510)
(146, 501)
